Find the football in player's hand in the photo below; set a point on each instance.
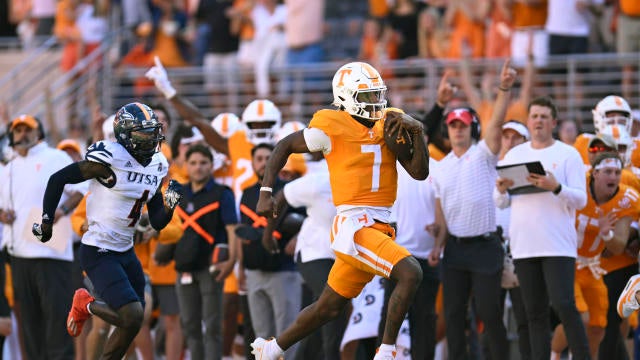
(396, 136)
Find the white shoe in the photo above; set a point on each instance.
(627, 302)
(385, 356)
(264, 349)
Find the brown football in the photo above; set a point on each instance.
(396, 137)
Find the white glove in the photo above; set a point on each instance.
(159, 76)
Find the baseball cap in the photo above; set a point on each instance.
(28, 120)
(517, 127)
(461, 114)
(69, 144)
(606, 139)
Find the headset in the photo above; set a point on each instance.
(40, 131)
(475, 122)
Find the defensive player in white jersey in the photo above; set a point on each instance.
(125, 175)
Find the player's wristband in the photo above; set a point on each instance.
(609, 236)
(266, 189)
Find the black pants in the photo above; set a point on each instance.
(315, 274)
(524, 344)
(422, 313)
(473, 267)
(545, 280)
(43, 289)
(612, 346)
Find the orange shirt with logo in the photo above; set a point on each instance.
(625, 202)
(362, 168)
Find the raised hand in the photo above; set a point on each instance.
(160, 78)
(508, 75)
(446, 90)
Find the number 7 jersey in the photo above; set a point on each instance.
(114, 204)
(362, 168)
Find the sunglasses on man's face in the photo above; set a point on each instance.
(599, 148)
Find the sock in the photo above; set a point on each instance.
(387, 348)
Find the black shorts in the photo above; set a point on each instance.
(117, 277)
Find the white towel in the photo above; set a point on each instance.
(347, 226)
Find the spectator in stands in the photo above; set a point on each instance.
(568, 28)
(304, 31)
(482, 98)
(220, 61)
(167, 40)
(403, 21)
(627, 41)
(544, 256)
(529, 17)
(568, 131)
(473, 254)
(43, 13)
(433, 32)
(465, 19)
(269, 47)
(499, 32)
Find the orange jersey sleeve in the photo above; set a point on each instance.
(626, 202)
(240, 155)
(362, 168)
(627, 177)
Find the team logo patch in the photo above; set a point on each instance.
(624, 203)
(128, 164)
(160, 167)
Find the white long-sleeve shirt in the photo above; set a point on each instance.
(24, 180)
(543, 224)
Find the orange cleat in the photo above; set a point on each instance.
(79, 312)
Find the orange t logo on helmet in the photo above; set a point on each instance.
(343, 72)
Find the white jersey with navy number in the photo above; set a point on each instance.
(114, 204)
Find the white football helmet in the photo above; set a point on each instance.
(226, 124)
(261, 119)
(107, 128)
(289, 128)
(359, 89)
(610, 104)
(625, 142)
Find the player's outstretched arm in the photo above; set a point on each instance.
(161, 211)
(186, 109)
(72, 174)
(294, 143)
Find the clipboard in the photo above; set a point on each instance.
(518, 173)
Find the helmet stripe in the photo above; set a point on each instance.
(225, 124)
(375, 78)
(147, 116)
(260, 109)
(615, 132)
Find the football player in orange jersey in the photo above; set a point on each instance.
(604, 222)
(363, 182)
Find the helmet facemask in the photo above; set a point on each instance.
(261, 131)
